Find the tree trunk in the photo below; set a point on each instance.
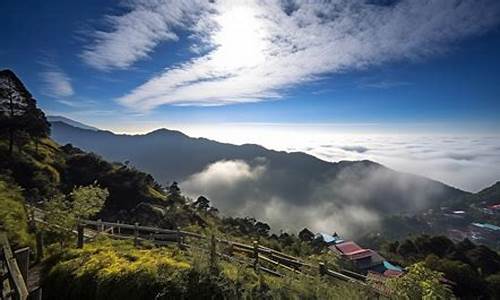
(11, 141)
(11, 130)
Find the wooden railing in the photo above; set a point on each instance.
(12, 285)
(259, 257)
(257, 254)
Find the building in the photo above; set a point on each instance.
(484, 231)
(495, 208)
(361, 259)
(365, 260)
(329, 239)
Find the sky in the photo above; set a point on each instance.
(349, 73)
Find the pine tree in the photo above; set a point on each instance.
(19, 114)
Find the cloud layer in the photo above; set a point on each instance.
(351, 202)
(348, 202)
(466, 161)
(252, 50)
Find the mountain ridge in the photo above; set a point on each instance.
(267, 184)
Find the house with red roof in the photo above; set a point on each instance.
(365, 259)
(362, 259)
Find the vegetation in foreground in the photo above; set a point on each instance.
(472, 270)
(116, 270)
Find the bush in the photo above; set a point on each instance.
(419, 283)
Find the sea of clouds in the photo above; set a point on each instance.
(345, 203)
(469, 162)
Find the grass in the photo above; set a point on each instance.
(109, 270)
(13, 216)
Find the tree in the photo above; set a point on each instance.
(18, 111)
(494, 286)
(419, 283)
(262, 228)
(34, 123)
(174, 192)
(213, 210)
(60, 220)
(88, 200)
(407, 248)
(468, 284)
(63, 214)
(306, 235)
(202, 203)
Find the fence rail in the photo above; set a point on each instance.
(13, 285)
(254, 255)
(161, 236)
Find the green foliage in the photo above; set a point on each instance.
(468, 282)
(60, 219)
(464, 263)
(419, 283)
(13, 218)
(127, 187)
(36, 172)
(62, 214)
(20, 118)
(493, 282)
(88, 200)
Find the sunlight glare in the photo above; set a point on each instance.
(240, 40)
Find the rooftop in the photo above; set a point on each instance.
(487, 226)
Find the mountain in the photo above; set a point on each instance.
(71, 122)
(490, 195)
(288, 190)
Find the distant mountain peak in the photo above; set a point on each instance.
(165, 132)
(68, 121)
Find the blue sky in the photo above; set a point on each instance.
(154, 63)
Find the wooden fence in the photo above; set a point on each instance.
(13, 284)
(261, 258)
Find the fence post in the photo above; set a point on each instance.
(256, 255)
(39, 245)
(23, 261)
(179, 237)
(118, 228)
(79, 239)
(136, 234)
(36, 294)
(230, 249)
(99, 226)
(213, 253)
(322, 269)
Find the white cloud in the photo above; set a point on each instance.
(255, 49)
(55, 83)
(241, 189)
(133, 35)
